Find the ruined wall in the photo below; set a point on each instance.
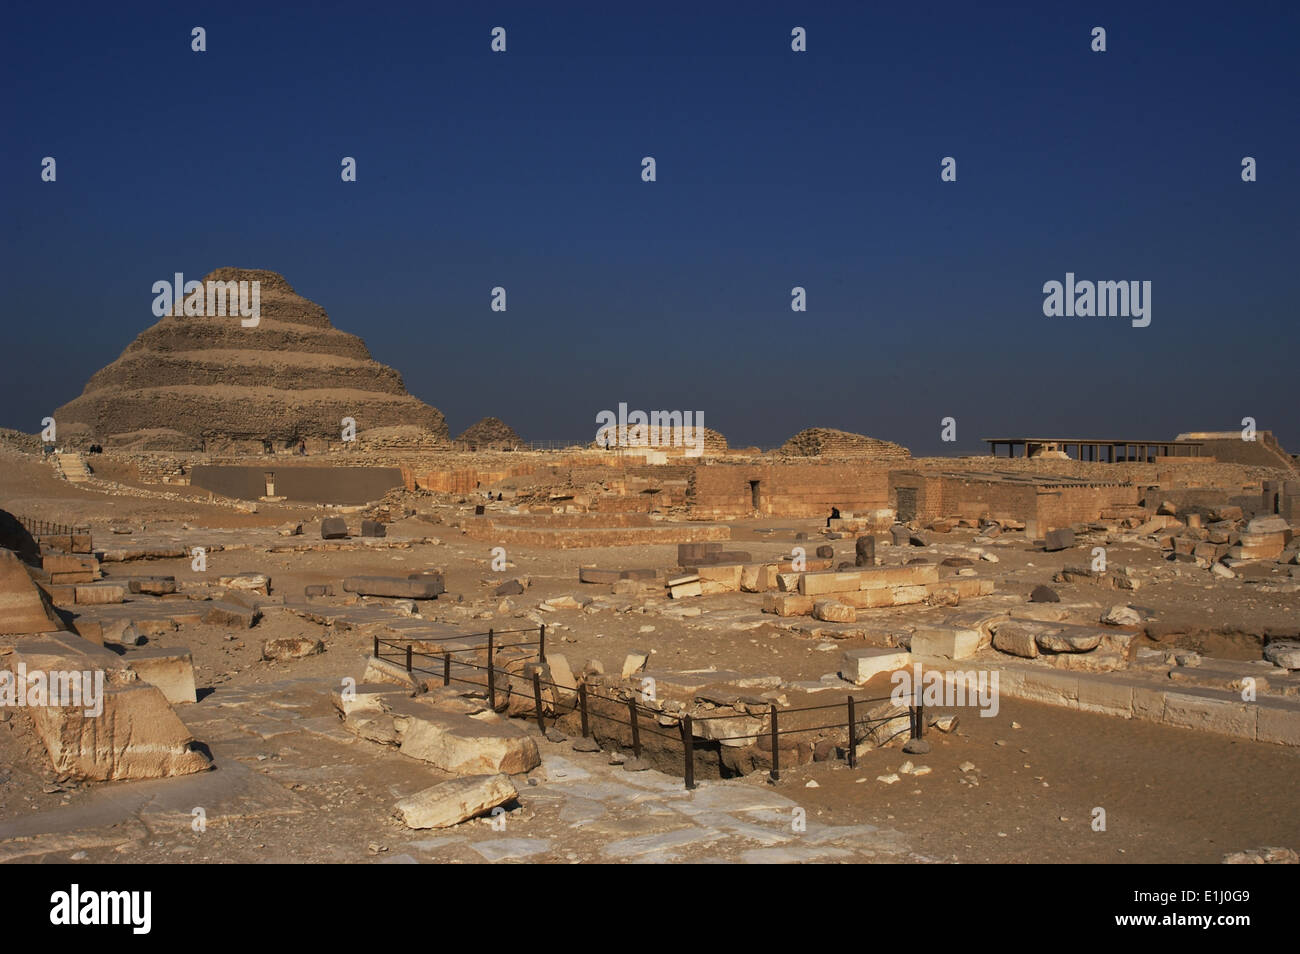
(788, 490)
(1051, 506)
(339, 485)
(1062, 506)
(1168, 471)
(937, 496)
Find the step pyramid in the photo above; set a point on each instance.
(208, 383)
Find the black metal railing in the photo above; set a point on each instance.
(450, 669)
(48, 528)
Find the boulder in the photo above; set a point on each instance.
(1268, 525)
(152, 585)
(373, 528)
(1016, 640)
(230, 614)
(24, 609)
(1262, 856)
(333, 528)
(1061, 539)
(171, 671)
(566, 602)
(945, 642)
(833, 611)
(100, 594)
(1044, 594)
(634, 663)
(1066, 641)
(122, 632)
(251, 582)
(134, 735)
(1284, 653)
(466, 745)
(1121, 615)
(452, 802)
(561, 674)
(291, 647)
(858, 666)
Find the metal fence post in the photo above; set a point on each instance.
(491, 676)
(853, 742)
(636, 727)
(776, 747)
(376, 647)
(688, 744)
(408, 657)
(541, 643)
(446, 668)
(537, 700)
(582, 704)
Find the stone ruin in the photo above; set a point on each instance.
(491, 433)
(828, 442)
(135, 733)
(208, 383)
(665, 438)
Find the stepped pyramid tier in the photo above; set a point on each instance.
(828, 442)
(208, 383)
(491, 432)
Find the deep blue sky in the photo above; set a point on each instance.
(775, 169)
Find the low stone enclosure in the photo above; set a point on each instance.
(509, 673)
(447, 698)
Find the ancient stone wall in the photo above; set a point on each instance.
(929, 496)
(1063, 506)
(830, 443)
(787, 489)
(338, 485)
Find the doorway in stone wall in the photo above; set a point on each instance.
(755, 496)
(906, 503)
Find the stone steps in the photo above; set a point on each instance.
(72, 467)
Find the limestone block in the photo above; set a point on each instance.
(945, 642)
(170, 670)
(454, 801)
(832, 611)
(860, 665)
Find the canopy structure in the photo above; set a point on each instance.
(1111, 450)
